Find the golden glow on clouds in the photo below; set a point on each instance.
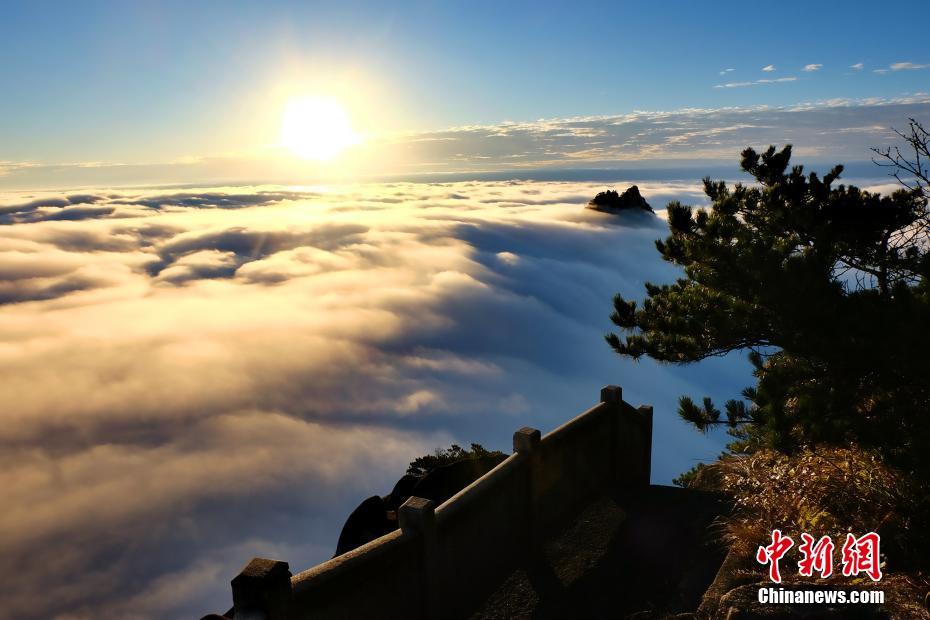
(319, 335)
(317, 128)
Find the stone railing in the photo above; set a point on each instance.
(443, 562)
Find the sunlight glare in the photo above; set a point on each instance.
(316, 128)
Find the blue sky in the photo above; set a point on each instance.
(155, 82)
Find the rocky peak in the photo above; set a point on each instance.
(612, 202)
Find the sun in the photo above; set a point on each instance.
(316, 128)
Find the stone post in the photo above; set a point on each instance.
(645, 418)
(612, 395)
(417, 517)
(526, 443)
(262, 590)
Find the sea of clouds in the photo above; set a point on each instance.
(194, 376)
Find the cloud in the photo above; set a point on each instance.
(88, 206)
(725, 71)
(50, 207)
(858, 66)
(768, 68)
(812, 67)
(901, 66)
(907, 66)
(618, 141)
(214, 200)
(756, 82)
(189, 385)
(594, 142)
(219, 254)
(7, 167)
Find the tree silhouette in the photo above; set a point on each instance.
(910, 168)
(826, 287)
(422, 465)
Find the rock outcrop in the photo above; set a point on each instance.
(366, 523)
(377, 516)
(612, 202)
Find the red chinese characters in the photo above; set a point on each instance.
(817, 556)
(859, 555)
(773, 553)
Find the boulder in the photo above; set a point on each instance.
(401, 491)
(366, 523)
(377, 516)
(447, 480)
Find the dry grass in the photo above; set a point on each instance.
(828, 491)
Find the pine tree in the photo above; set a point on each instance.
(827, 289)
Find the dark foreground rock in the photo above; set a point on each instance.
(612, 202)
(366, 523)
(377, 516)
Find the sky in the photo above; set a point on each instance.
(213, 347)
(167, 85)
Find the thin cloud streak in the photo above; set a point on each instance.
(756, 82)
(908, 66)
